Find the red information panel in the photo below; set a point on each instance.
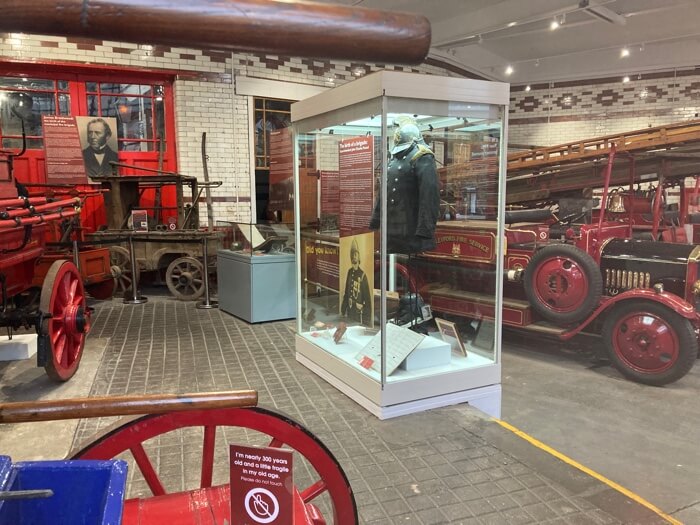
(356, 164)
(281, 170)
(330, 192)
(64, 157)
(322, 264)
(261, 486)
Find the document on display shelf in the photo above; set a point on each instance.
(399, 343)
(254, 237)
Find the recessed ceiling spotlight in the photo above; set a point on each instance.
(509, 70)
(511, 24)
(624, 52)
(554, 24)
(625, 79)
(528, 88)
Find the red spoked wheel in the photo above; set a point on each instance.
(563, 283)
(63, 298)
(320, 480)
(649, 343)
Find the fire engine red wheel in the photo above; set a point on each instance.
(327, 484)
(563, 283)
(63, 297)
(649, 343)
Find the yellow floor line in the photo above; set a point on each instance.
(588, 471)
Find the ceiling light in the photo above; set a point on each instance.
(624, 52)
(509, 70)
(625, 80)
(528, 88)
(554, 24)
(511, 24)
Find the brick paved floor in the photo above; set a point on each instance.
(426, 468)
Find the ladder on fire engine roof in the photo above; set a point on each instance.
(639, 140)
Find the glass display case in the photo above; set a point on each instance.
(256, 271)
(261, 238)
(400, 264)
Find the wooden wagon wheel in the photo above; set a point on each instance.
(63, 297)
(329, 485)
(185, 278)
(120, 263)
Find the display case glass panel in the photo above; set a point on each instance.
(261, 238)
(399, 287)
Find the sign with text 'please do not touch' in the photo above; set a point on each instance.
(262, 486)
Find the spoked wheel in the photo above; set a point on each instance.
(63, 297)
(649, 343)
(120, 262)
(563, 283)
(169, 439)
(185, 278)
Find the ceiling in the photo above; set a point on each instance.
(487, 36)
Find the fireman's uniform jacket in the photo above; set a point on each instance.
(413, 201)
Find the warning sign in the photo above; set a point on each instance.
(261, 486)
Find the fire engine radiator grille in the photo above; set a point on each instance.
(616, 280)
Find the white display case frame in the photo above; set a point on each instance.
(481, 385)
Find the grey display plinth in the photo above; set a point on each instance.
(257, 288)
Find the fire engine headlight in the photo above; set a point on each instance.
(696, 288)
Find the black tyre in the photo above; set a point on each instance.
(649, 343)
(563, 284)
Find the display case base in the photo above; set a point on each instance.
(486, 398)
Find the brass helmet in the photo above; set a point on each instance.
(406, 134)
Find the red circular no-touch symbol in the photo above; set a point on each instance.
(261, 505)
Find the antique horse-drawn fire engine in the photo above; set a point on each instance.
(40, 290)
(606, 271)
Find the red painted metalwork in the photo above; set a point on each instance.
(561, 284)
(606, 185)
(675, 303)
(645, 342)
(184, 507)
(63, 297)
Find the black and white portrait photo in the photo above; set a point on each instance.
(98, 140)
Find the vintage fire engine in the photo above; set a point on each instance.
(605, 271)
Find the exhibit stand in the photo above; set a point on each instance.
(379, 162)
(256, 275)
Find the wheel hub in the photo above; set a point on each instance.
(75, 320)
(185, 278)
(646, 343)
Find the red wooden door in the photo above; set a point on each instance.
(141, 103)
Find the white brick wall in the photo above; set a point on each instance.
(208, 105)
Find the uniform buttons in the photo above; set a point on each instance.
(396, 179)
(392, 201)
(393, 189)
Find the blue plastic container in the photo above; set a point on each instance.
(85, 492)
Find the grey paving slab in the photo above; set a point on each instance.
(438, 467)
